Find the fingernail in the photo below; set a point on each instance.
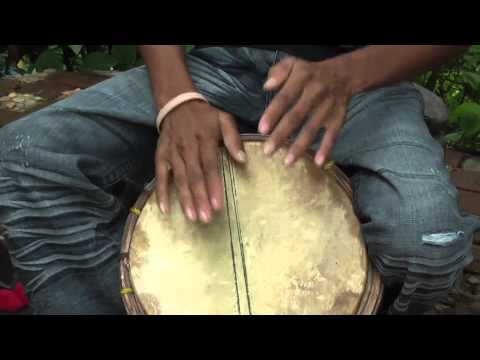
(204, 217)
(242, 156)
(215, 204)
(289, 159)
(319, 160)
(191, 214)
(270, 83)
(163, 208)
(263, 127)
(269, 147)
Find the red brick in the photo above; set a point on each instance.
(454, 158)
(466, 180)
(474, 267)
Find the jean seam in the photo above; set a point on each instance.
(117, 174)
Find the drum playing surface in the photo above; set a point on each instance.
(287, 242)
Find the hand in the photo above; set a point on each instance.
(312, 96)
(188, 146)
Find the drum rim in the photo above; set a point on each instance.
(373, 288)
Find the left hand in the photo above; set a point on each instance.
(312, 96)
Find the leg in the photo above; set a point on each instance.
(70, 172)
(415, 233)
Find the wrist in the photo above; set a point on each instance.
(352, 72)
(162, 98)
(176, 102)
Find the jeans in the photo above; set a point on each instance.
(70, 172)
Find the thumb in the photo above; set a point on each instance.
(279, 74)
(231, 137)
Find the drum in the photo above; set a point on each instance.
(287, 242)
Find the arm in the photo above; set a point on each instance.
(168, 72)
(382, 65)
(189, 140)
(321, 91)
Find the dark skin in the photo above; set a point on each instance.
(311, 96)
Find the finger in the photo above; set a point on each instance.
(197, 181)
(328, 140)
(309, 133)
(231, 137)
(212, 174)
(162, 176)
(183, 189)
(161, 185)
(281, 103)
(278, 74)
(292, 120)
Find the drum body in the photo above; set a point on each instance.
(287, 242)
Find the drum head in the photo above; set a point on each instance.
(288, 242)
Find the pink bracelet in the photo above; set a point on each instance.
(175, 102)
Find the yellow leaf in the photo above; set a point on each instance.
(22, 65)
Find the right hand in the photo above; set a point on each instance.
(188, 147)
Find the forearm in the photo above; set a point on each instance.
(168, 72)
(382, 65)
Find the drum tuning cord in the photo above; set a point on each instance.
(135, 211)
(126, 291)
(329, 165)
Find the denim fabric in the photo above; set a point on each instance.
(69, 173)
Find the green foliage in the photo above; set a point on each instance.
(80, 58)
(49, 59)
(459, 86)
(98, 61)
(465, 119)
(126, 56)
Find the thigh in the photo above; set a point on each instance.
(402, 191)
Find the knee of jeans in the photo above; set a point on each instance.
(436, 221)
(420, 223)
(31, 149)
(18, 142)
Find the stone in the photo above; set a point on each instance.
(472, 164)
(30, 103)
(473, 280)
(436, 112)
(441, 308)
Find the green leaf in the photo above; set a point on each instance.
(125, 55)
(76, 48)
(473, 79)
(188, 48)
(474, 49)
(467, 116)
(453, 138)
(98, 61)
(49, 59)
